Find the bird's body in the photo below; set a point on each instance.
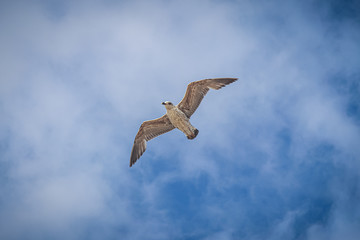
(179, 120)
(177, 116)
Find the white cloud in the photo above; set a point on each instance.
(77, 81)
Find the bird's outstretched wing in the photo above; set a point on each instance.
(147, 131)
(196, 91)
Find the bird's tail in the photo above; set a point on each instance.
(192, 136)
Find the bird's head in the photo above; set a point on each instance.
(168, 104)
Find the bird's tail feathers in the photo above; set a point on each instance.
(192, 136)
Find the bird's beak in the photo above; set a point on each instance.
(163, 103)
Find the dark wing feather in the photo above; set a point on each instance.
(147, 131)
(196, 91)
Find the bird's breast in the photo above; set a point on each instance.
(178, 118)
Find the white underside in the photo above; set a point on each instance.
(180, 121)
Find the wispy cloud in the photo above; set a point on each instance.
(277, 155)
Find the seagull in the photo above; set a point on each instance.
(176, 116)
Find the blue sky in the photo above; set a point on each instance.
(277, 156)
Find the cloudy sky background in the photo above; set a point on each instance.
(277, 156)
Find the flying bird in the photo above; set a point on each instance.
(176, 116)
